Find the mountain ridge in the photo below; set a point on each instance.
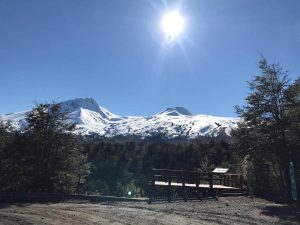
(91, 118)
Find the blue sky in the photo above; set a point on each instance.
(113, 51)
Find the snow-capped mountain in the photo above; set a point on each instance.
(90, 118)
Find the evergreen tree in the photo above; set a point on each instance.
(55, 152)
(262, 135)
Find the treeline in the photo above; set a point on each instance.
(121, 167)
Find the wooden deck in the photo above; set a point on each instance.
(175, 184)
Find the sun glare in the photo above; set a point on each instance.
(172, 24)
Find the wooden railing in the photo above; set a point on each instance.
(182, 176)
(197, 177)
(208, 182)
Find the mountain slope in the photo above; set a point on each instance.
(90, 118)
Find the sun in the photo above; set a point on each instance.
(172, 24)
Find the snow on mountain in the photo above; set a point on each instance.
(90, 118)
(17, 119)
(177, 111)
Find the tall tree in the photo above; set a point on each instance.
(56, 153)
(262, 134)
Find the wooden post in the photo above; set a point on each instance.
(152, 186)
(241, 183)
(198, 175)
(222, 179)
(234, 181)
(183, 184)
(169, 187)
(211, 184)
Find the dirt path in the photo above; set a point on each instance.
(229, 210)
